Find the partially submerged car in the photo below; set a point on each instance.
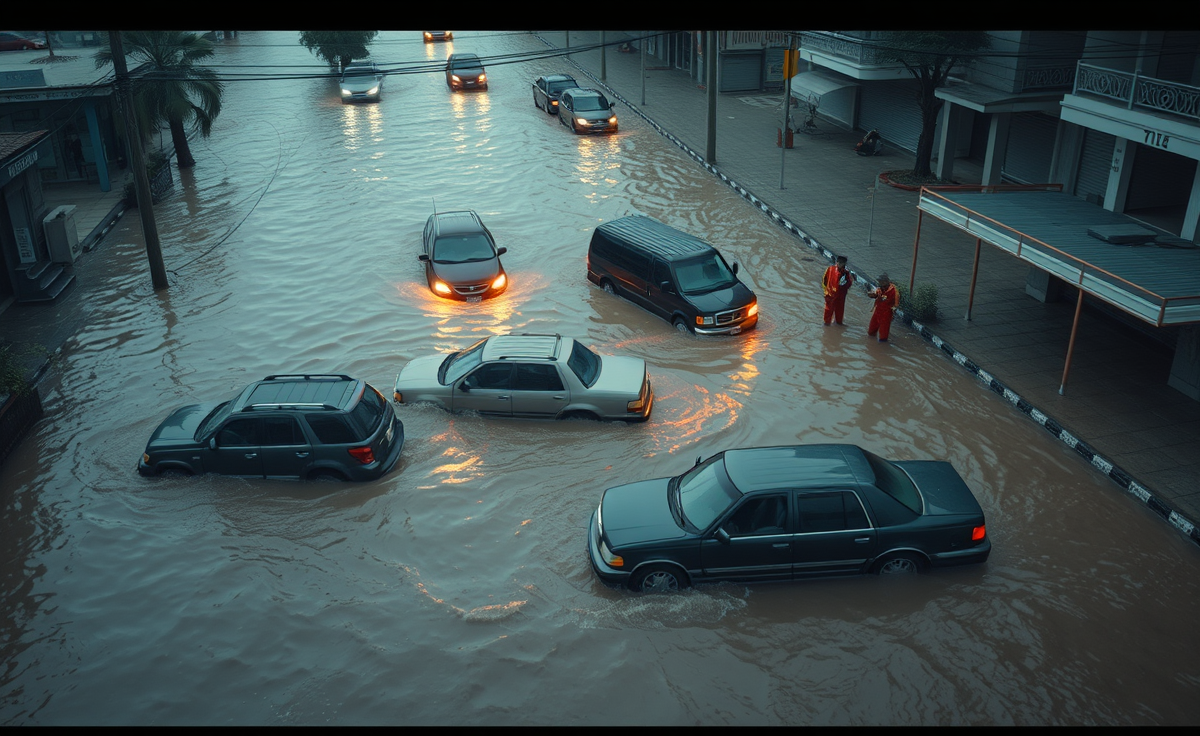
(782, 513)
(524, 375)
(586, 111)
(465, 71)
(431, 36)
(361, 81)
(284, 426)
(547, 89)
(461, 258)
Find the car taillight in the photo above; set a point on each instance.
(978, 533)
(398, 397)
(364, 455)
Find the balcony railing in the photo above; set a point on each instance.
(847, 47)
(1048, 77)
(1135, 91)
(755, 39)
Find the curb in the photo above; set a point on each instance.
(1119, 476)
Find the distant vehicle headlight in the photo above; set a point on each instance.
(483, 77)
(612, 120)
(346, 91)
(428, 36)
(581, 121)
(554, 102)
(455, 78)
(374, 90)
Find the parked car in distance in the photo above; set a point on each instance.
(284, 426)
(431, 36)
(461, 258)
(361, 80)
(586, 111)
(547, 89)
(465, 71)
(524, 375)
(671, 274)
(780, 513)
(13, 42)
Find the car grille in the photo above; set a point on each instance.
(471, 290)
(733, 315)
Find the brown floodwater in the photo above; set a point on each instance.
(456, 590)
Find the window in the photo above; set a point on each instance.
(241, 433)
(537, 377)
(704, 275)
(280, 431)
(895, 482)
(830, 512)
(758, 517)
(585, 364)
(491, 376)
(662, 272)
(331, 429)
(367, 412)
(459, 363)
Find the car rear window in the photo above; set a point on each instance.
(895, 482)
(585, 364)
(367, 413)
(560, 86)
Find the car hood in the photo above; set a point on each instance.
(468, 73)
(180, 425)
(594, 115)
(359, 84)
(620, 374)
(738, 295)
(944, 490)
(473, 272)
(419, 373)
(638, 512)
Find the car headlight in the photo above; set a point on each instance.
(554, 103)
(635, 405)
(455, 78)
(346, 91)
(482, 77)
(440, 287)
(374, 90)
(609, 558)
(703, 320)
(146, 458)
(500, 281)
(612, 120)
(428, 36)
(581, 121)
(753, 310)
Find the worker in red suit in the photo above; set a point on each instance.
(886, 297)
(837, 283)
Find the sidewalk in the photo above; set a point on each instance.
(1118, 412)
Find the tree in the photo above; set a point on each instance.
(929, 56)
(338, 48)
(174, 90)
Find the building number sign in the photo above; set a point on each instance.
(1156, 139)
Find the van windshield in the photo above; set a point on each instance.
(703, 275)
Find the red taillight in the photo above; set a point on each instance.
(978, 533)
(364, 455)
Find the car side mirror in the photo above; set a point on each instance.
(697, 460)
(722, 536)
(666, 286)
(735, 268)
(501, 251)
(212, 442)
(424, 257)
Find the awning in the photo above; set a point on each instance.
(816, 84)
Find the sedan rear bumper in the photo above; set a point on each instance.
(972, 556)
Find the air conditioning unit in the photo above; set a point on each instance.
(61, 235)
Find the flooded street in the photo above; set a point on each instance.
(456, 589)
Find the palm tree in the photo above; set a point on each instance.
(174, 89)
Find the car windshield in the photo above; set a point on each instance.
(895, 482)
(474, 63)
(359, 71)
(213, 420)
(457, 365)
(463, 248)
(585, 364)
(704, 275)
(588, 103)
(705, 492)
(560, 85)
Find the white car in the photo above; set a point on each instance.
(361, 80)
(524, 375)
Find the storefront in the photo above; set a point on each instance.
(36, 266)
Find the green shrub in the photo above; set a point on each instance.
(922, 304)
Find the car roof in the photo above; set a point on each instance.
(460, 221)
(654, 236)
(798, 467)
(559, 78)
(460, 57)
(523, 345)
(585, 92)
(333, 391)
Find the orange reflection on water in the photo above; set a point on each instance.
(750, 345)
(466, 468)
(694, 410)
(491, 612)
(598, 156)
(362, 123)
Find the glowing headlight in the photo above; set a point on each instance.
(428, 36)
(346, 91)
(703, 320)
(440, 287)
(500, 281)
(554, 102)
(455, 78)
(612, 120)
(374, 90)
(753, 310)
(482, 77)
(580, 121)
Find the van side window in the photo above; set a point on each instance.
(662, 272)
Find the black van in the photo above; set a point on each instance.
(680, 278)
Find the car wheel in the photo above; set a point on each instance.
(681, 325)
(325, 475)
(657, 579)
(900, 563)
(608, 287)
(175, 472)
(580, 415)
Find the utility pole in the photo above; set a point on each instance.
(133, 141)
(787, 103)
(710, 89)
(642, 48)
(603, 59)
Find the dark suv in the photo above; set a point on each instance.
(288, 426)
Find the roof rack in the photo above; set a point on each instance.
(289, 405)
(309, 377)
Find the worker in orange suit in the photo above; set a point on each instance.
(886, 297)
(837, 283)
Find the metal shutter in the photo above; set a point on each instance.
(741, 72)
(891, 108)
(1095, 161)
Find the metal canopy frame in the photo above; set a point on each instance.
(1115, 282)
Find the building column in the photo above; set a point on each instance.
(997, 147)
(947, 144)
(89, 111)
(1118, 175)
(1192, 217)
(1185, 368)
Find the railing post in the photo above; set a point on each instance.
(1133, 88)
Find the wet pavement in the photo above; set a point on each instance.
(455, 590)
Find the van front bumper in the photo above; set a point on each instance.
(747, 324)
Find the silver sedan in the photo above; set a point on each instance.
(524, 375)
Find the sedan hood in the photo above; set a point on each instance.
(360, 84)
(944, 490)
(738, 295)
(473, 272)
(419, 373)
(180, 425)
(621, 375)
(638, 512)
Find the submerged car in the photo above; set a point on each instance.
(546, 90)
(361, 80)
(523, 375)
(465, 71)
(780, 513)
(14, 42)
(431, 36)
(586, 111)
(284, 426)
(461, 258)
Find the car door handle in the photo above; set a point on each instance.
(783, 545)
(251, 455)
(560, 398)
(501, 398)
(862, 540)
(301, 454)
